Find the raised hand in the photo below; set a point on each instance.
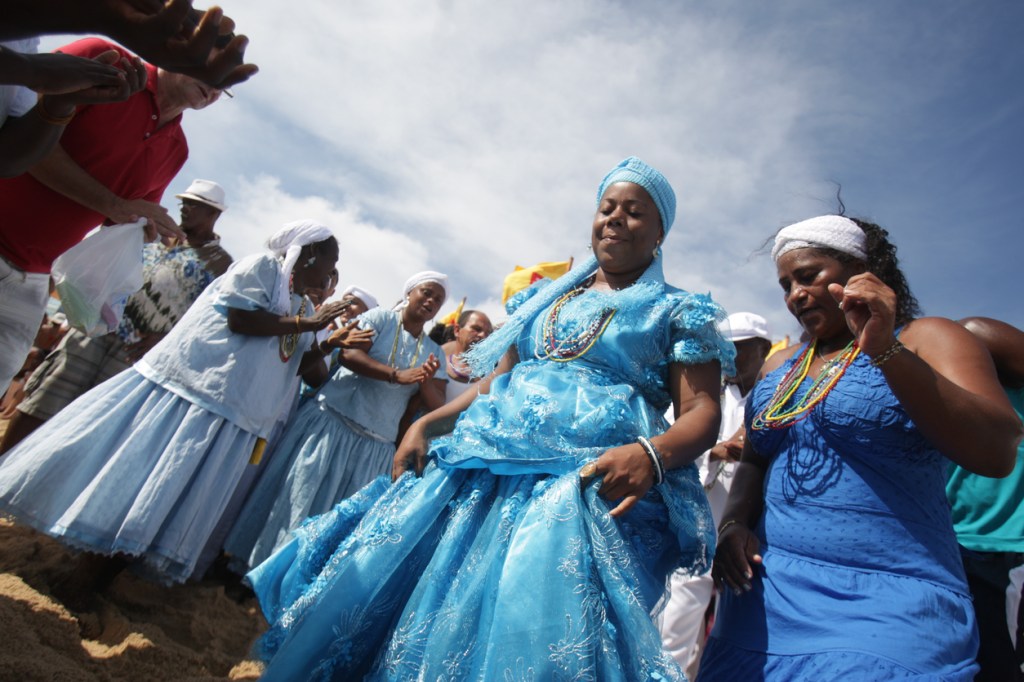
(178, 38)
(418, 375)
(870, 309)
(326, 313)
(351, 336)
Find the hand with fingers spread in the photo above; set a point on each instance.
(351, 336)
(326, 314)
(178, 38)
(418, 375)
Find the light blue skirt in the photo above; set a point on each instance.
(319, 461)
(464, 574)
(128, 468)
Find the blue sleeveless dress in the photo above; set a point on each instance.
(497, 564)
(861, 578)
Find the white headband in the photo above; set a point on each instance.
(426, 276)
(362, 294)
(827, 231)
(286, 244)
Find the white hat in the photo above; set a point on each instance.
(207, 192)
(742, 326)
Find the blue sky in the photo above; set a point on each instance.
(470, 137)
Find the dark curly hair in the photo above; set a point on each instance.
(884, 264)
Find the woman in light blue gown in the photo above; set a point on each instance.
(144, 464)
(538, 541)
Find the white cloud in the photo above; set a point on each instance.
(470, 137)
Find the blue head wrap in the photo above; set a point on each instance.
(639, 173)
(483, 357)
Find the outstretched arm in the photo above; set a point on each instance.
(66, 82)
(64, 175)
(169, 34)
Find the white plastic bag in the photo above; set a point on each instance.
(95, 277)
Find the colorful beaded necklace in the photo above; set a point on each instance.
(776, 416)
(289, 342)
(457, 368)
(578, 342)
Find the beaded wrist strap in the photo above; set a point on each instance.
(655, 456)
(895, 349)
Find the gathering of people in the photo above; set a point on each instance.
(618, 481)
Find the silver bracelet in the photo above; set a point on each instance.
(655, 457)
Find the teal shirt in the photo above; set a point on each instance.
(988, 513)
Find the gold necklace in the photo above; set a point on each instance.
(289, 342)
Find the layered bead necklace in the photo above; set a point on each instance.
(289, 342)
(578, 342)
(392, 361)
(775, 414)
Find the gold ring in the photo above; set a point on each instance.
(589, 470)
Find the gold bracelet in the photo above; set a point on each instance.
(726, 525)
(47, 117)
(298, 330)
(895, 349)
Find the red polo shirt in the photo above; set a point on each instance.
(118, 144)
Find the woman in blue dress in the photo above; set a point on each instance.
(836, 545)
(143, 464)
(538, 541)
(345, 437)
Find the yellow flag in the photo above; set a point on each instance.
(780, 345)
(520, 278)
(453, 317)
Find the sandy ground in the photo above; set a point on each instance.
(135, 630)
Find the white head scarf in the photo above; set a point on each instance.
(362, 294)
(827, 231)
(286, 244)
(421, 278)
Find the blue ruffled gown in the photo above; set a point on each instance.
(496, 565)
(861, 576)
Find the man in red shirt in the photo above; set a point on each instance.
(112, 165)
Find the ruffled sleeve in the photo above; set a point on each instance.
(695, 336)
(523, 295)
(248, 285)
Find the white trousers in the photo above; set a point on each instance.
(682, 621)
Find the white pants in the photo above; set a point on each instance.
(682, 621)
(22, 306)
